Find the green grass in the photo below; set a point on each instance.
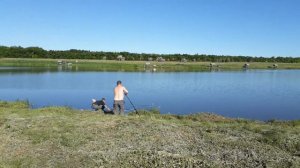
(63, 137)
(110, 65)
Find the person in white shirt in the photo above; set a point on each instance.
(119, 92)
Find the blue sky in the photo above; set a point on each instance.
(223, 27)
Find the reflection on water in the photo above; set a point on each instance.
(255, 94)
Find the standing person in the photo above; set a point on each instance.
(119, 92)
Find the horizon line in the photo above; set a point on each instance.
(148, 53)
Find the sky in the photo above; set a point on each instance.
(222, 27)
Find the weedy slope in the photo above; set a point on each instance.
(63, 137)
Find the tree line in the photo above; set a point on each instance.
(37, 52)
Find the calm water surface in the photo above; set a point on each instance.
(253, 94)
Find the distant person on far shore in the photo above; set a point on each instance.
(101, 105)
(119, 92)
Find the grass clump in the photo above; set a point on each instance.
(15, 105)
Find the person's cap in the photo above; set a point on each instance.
(103, 98)
(93, 100)
(119, 82)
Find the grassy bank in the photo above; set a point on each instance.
(109, 65)
(62, 137)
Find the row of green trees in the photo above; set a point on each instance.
(37, 52)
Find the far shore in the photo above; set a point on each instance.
(112, 65)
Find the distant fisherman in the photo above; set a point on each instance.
(119, 92)
(101, 104)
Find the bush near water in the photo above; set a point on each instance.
(64, 137)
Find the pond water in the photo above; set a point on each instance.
(252, 94)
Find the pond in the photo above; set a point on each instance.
(251, 94)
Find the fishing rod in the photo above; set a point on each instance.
(132, 104)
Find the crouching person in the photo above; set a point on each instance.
(101, 105)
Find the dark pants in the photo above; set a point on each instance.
(108, 111)
(119, 107)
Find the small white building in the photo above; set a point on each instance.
(160, 59)
(183, 60)
(119, 57)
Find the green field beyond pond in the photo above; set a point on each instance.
(63, 137)
(110, 65)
